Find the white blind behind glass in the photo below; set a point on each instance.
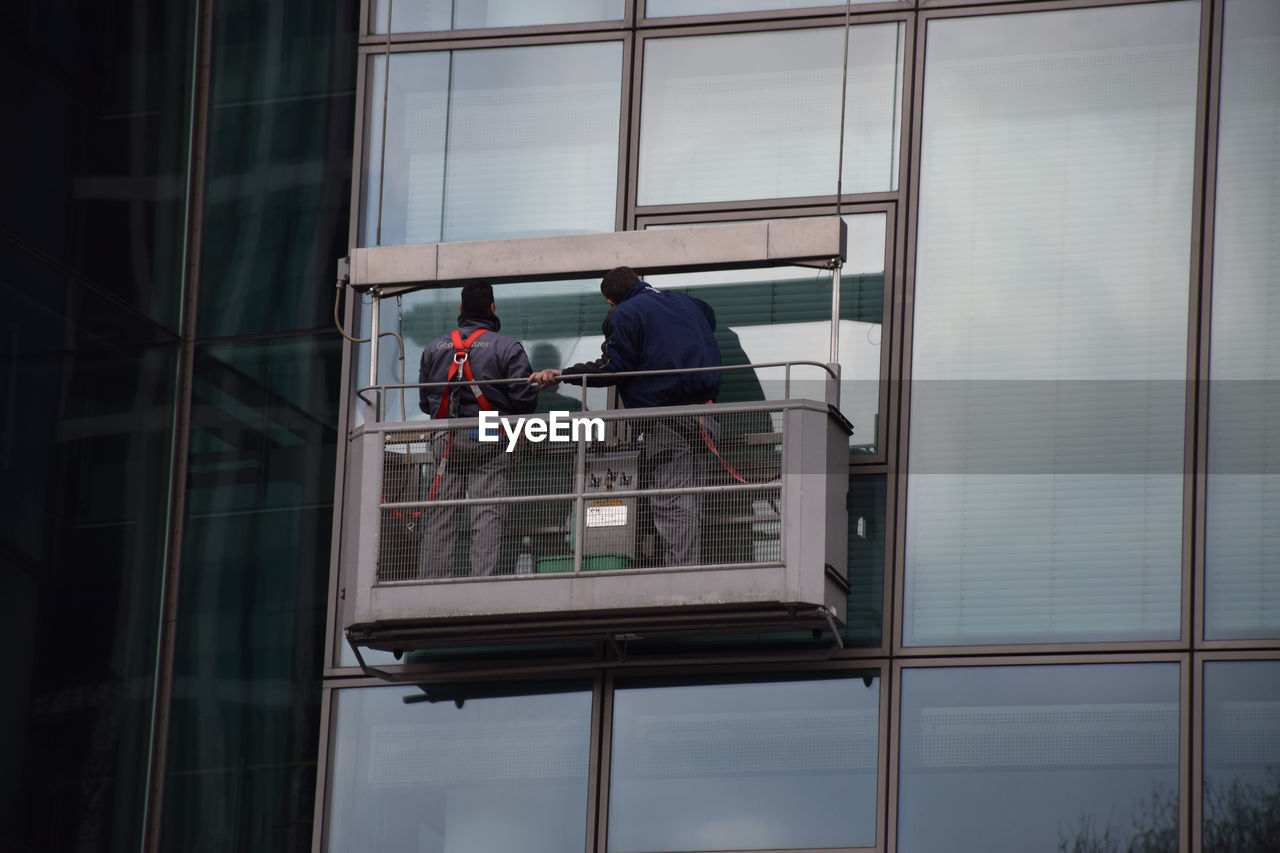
(1242, 541)
(1047, 405)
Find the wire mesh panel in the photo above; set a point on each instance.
(406, 459)
(636, 492)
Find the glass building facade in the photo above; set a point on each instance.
(1056, 334)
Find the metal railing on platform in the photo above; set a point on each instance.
(681, 508)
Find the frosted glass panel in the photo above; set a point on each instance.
(757, 115)
(486, 144)
(1039, 759)
(409, 16)
(1242, 542)
(1049, 357)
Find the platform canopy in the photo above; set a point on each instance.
(779, 242)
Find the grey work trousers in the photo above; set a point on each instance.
(674, 456)
(474, 470)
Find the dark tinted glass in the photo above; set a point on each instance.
(278, 180)
(246, 695)
(867, 503)
(94, 153)
(93, 163)
(86, 414)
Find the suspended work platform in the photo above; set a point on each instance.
(602, 534)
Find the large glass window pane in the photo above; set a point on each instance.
(1049, 361)
(277, 185)
(757, 115)
(87, 399)
(453, 770)
(1039, 759)
(784, 314)
(410, 16)
(669, 8)
(1242, 541)
(745, 766)
(480, 144)
(96, 179)
(1241, 807)
(244, 717)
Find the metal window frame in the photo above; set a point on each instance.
(365, 98)
(762, 672)
(368, 23)
(1214, 20)
(1197, 758)
(328, 728)
(817, 9)
(1185, 671)
(892, 244)
(636, 211)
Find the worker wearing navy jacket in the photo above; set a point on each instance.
(651, 329)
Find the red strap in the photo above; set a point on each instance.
(464, 347)
(712, 446)
(444, 460)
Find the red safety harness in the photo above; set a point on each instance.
(461, 364)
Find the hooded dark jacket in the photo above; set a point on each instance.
(492, 356)
(654, 329)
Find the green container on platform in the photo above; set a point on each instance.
(590, 563)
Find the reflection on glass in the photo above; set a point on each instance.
(745, 766)
(866, 503)
(276, 211)
(1048, 393)
(757, 115)
(669, 8)
(480, 144)
(415, 16)
(1242, 541)
(1241, 807)
(251, 621)
(558, 322)
(450, 770)
(88, 389)
(1039, 759)
(784, 314)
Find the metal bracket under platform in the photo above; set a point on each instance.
(615, 630)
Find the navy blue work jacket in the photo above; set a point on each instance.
(658, 330)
